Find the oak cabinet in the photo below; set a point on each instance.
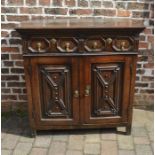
(79, 75)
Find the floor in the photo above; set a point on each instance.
(15, 139)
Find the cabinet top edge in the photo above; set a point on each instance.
(81, 24)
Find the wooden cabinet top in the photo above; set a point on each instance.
(82, 24)
(80, 35)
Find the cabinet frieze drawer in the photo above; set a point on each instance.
(75, 45)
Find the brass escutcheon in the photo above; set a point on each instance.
(109, 40)
(53, 41)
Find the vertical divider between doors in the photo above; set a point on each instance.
(87, 81)
(81, 71)
(75, 86)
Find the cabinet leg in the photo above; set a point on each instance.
(33, 133)
(128, 130)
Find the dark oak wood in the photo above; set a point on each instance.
(81, 24)
(80, 73)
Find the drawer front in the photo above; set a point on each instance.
(90, 44)
(123, 44)
(66, 44)
(38, 45)
(95, 44)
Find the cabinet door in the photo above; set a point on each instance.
(54, 82)
(107, 84)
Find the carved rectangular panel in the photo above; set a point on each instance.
(106, 89)
(55, 86)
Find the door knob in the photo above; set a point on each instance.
(76, 93)
(87, 90)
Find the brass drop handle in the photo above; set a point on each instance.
(87, 90)
(67, 46)
(95, 44)
(123, 45)
(76, 93)
(39, 46)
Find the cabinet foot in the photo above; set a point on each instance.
(125, 130)
(128, 130)
(33, 133)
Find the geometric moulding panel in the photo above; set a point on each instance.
(38, 44)
(94, 44)
(55, 91)
(123, 44)
(107, 83)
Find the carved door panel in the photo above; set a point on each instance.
(107, 84)
(53, 81)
